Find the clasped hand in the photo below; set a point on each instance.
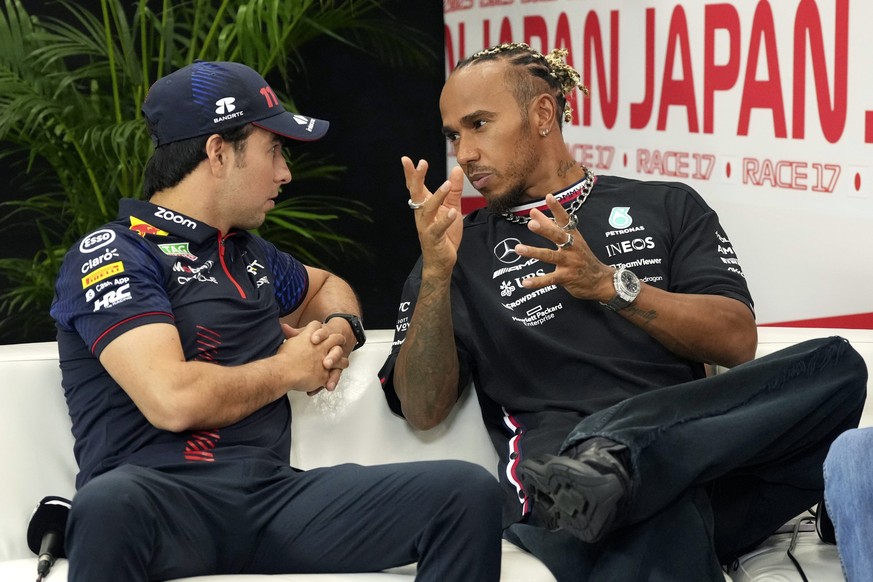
(320, 356)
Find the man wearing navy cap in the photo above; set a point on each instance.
(180, 334)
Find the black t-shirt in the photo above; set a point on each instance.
(542, 360)
(223, 292)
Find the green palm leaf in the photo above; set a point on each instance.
(70, 97)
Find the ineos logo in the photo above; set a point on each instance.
(225, 105)
(505, 250)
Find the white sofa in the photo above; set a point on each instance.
(352, 424)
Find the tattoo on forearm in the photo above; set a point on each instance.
(648, 316)
(431, 355)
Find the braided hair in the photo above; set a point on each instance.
(529, 65)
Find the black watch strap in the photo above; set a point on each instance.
(357, 327)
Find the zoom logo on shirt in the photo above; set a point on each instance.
(505, 250)
(171, 216)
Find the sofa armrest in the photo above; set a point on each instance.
(37, 451)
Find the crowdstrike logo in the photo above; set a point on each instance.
(225, 105)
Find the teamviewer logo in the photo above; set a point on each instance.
(225, 105)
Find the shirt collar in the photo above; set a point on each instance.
(150, 219)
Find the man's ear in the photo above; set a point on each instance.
(217, 154)
(543, 110)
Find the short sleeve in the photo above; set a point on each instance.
(109, 282)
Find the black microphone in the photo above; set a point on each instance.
(45, 532)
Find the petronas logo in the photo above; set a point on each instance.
(620, 218)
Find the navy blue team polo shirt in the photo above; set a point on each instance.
(224, 293)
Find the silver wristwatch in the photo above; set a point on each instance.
(627, 287)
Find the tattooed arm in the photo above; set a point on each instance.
(703, 328)
(426, 372)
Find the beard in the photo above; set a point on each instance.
(525, 160)
(502, 203)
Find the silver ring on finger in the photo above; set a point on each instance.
(567, 243)
(414, 205)
(572, 221)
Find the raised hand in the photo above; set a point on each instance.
(576, 268)
(437, 215)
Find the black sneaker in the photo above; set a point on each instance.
(581, 491)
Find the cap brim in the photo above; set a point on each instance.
(294, 126)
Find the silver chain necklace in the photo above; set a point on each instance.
(584, 188)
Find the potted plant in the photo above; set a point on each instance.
(70, 95)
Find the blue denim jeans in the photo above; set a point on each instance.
(848, 472)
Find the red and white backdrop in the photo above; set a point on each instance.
(766, 108)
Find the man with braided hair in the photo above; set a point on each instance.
(585, 309)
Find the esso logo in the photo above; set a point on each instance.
(96, 240)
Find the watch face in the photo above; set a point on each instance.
(630, 282)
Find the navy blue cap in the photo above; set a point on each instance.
(210, 97)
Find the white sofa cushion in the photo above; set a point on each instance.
(819, 562)
(517, 566)
(37, 451)
(351, 424)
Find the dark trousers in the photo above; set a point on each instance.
(258, 516)
(717, 465)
